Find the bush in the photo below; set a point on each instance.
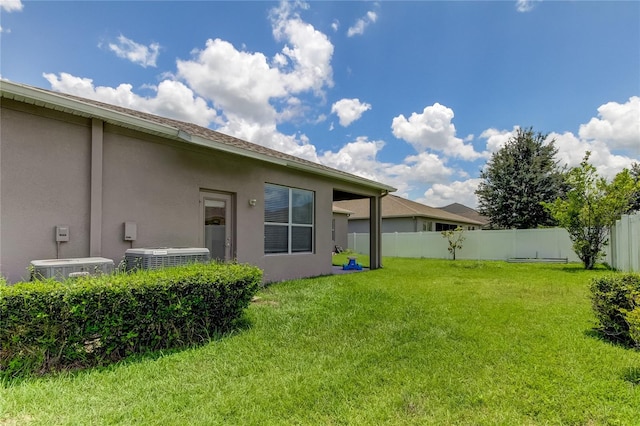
(89, 321)
(616, 303)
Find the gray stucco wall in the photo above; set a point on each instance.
(46, 177)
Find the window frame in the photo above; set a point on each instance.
(290, 225)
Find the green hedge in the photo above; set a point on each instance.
(616, 303)
(89, 321)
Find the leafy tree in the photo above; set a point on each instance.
(455, 239)
(591, 206)
(517, 178)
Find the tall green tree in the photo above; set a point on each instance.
(517, 179)
(591, 206)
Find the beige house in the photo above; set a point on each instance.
(96, 170)
(402, 215)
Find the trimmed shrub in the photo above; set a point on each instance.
(616, 303)
(90, 321)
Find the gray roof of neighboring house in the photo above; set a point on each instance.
(172, 129)
(340, 210)
(394, 206)
(468, 212)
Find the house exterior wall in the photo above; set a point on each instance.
(153, 181)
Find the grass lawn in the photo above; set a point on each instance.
(418, 342)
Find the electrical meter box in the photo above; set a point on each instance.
(61, 269)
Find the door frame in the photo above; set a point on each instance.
(230, 222)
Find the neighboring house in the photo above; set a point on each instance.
(468, 212)
(402, 215)
(339, 227)
(99, 169)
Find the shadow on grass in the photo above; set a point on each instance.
(632, 375)
(617, 341)
(239, 326)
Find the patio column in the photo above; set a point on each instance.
(375, 232)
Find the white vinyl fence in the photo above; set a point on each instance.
(623, 252)
(625, 243)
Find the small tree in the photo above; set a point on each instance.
(455, 239)
(591, 207)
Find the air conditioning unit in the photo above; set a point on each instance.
(61, 269)
(153, 258)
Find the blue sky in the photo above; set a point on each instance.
(413, 94)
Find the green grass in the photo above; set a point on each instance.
(418, 342)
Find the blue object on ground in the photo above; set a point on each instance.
(352, 265)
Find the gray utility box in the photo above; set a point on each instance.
(61, 269)
(153, 258)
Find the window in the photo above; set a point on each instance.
(288, 220)
(444, 226)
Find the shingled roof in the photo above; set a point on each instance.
(394, 206)
(172, 129)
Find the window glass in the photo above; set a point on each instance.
(276, 239)
(302, 205)
(276, 204)
(301, 238)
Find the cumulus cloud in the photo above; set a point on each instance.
(571, 151)
(617, 125)
(433, 130)
(463, 192)
(496, 139)
(172, 98)
(145, 56)
(349, 110)
(255, 92)
(11, 5)
(359, 157)
(362, 23)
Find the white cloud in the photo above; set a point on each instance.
(433, 129)
(496, 139)
(463, 192)
(335, 25)
(173, 99)
(617, 125)
(137, 53)
(11, 5)
(525, 5)
(571, 151)
(362, 23)
(245, 84)
(349, 110)
(359, 158)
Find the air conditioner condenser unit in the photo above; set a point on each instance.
(153, 258)
(61, 269)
